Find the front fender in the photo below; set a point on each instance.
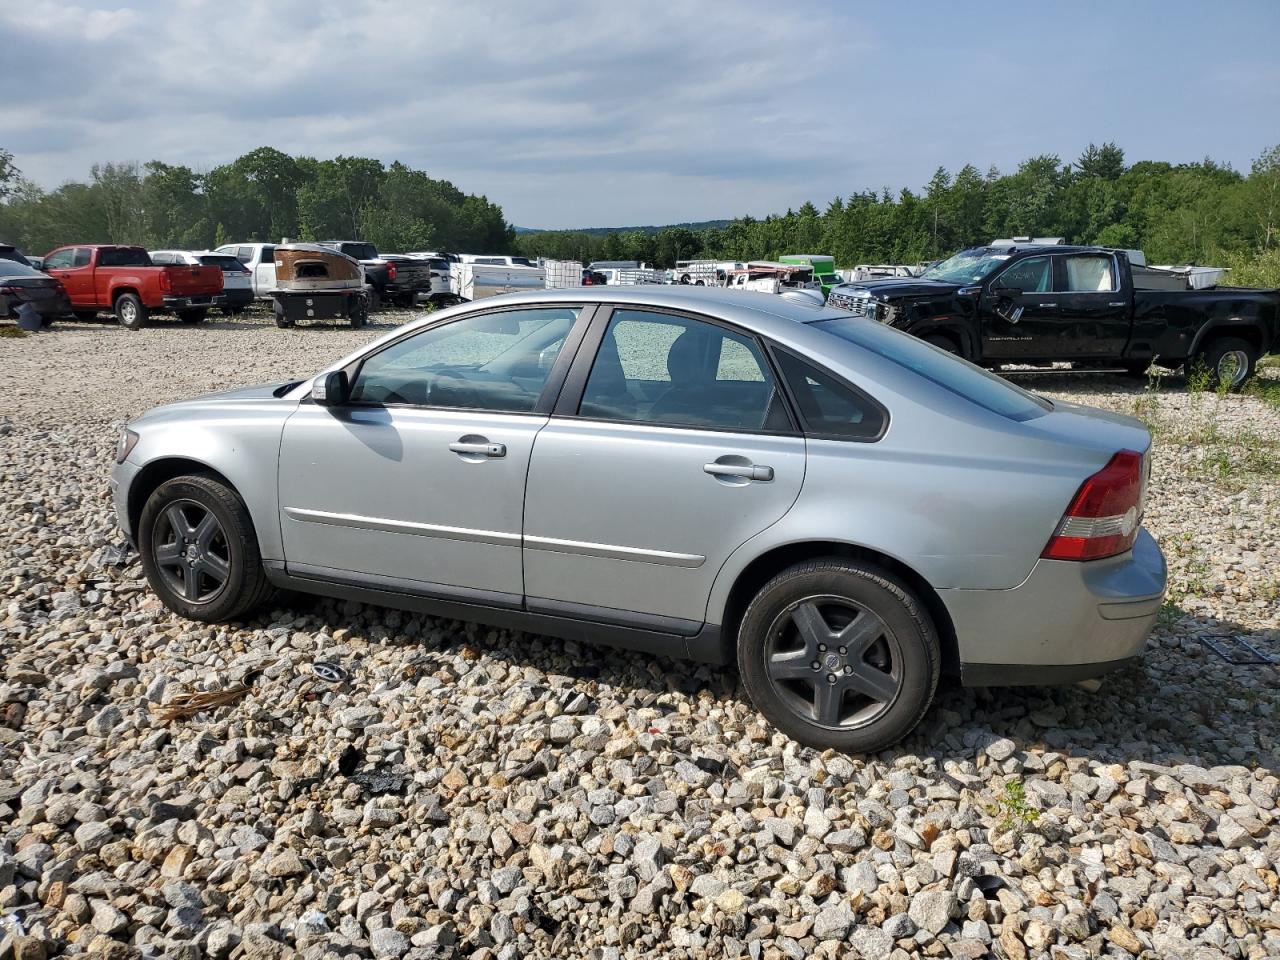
(240, 442)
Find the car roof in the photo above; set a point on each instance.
(763, 313)
(1046, 247)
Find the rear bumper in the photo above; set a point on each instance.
(121, 480)
(1066, 622)
(193, 301)
(45, 307)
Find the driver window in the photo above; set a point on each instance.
(1033, 275)
(59, 260)
(493, 361)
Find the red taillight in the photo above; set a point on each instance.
(391, 271)
(9, 291)
(1102, 519)
(166, 281)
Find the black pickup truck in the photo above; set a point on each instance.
(393, 278)
(1041, 304)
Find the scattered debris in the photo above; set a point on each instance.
(189, 704)
(330, 672)
(1239, 652)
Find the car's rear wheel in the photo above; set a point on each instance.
(1230, 361)
(199, 550)
(131, 312)
(839, 655)
(282, 321)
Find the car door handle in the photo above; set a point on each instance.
(749, 471)
(481, 448)
(1116, 303)
(1047, 306)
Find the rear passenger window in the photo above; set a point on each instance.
(268, 255)
(244, 254)
(828, 407)
(676, 371)
(1090, 274)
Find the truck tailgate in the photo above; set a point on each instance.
(184, 281)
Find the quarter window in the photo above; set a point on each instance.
(494, 361)
(1033, 275)
(1090, 273)
(827, 406)
(655, 368)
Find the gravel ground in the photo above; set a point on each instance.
(472, 792)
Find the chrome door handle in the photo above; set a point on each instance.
(482, 449)
(1116, 303)
(1047, 306)
(748, 471)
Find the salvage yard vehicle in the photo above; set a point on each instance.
(1037, 304)
(237, 283)
(315, 282)
(123, 279)
(260, 260)
(21, 284)
(682, 470)
(394, 279)
(824, 267)
(9, 252)
(768, 276)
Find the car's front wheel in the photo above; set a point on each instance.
(839, 655)
(199, 550)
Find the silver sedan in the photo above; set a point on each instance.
(839, 508)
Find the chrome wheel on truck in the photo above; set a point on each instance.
(1230, 361)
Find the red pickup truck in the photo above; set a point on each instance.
(123, 280)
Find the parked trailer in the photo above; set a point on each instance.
(474, 281)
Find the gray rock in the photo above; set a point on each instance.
(647, 858)
(833, 923)
(1000, 749)
(359, 717)
(105, 721)
(388, 942)
(106, 918)
(899, 926)
(872, 943)
(92, 837)
(932, 909)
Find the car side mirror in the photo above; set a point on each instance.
(331, 390)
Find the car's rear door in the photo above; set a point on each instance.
(417, 484)
(670, 447)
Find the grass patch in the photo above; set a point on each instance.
(1265, 389)
(1013, 808)
(12, 332)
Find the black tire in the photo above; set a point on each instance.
(374, 300)
(211, 573)
(943, 342)
(894, 653)
(46, 322)
(131, 311)
(193, 316)
(407, 301)
(283, 322)
(358, 311)
(1229, 360)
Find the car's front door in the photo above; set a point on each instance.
(1094, 314)
(72, 267)
(671, 446)
(417, 483)
(1020, 315)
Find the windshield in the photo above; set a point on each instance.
(228, 264)
(361, 251)
(967, 266)
(947, 371)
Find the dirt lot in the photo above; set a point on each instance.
(481, 793)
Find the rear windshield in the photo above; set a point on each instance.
(123, 257)
(361, 251)
(12, 268)
(229, 264)
(959, 376)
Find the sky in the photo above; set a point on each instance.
(611, 114)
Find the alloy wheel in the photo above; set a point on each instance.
(191, 551)
(834, 662)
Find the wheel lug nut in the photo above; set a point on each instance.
(831, 678)
(822, 648)
(843, 651)
(816, 665)
(848, 670)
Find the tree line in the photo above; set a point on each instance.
(1204, 213)
(263, 195)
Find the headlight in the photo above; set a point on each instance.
(125, 444)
